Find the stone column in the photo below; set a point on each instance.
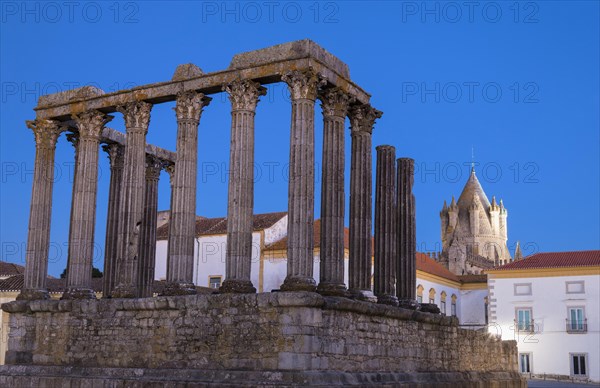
(182, 224)
(115, 155)
(385, 226)
(137, 118)
(303, 87)
(362, 119)
(244, 95)
(46, 134)
(406, 280)
(334, 103)
(147, 246)
(83, 209)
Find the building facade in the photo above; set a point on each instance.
(549, 303)
(435, 283)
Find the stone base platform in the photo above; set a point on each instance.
(22, 376)
(282, 339)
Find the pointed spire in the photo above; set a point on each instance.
(453, 203)
(494, 204)
(445, 208)
(518, 253)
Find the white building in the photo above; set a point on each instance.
(435, 283)
(549, 303)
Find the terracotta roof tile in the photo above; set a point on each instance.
(15, 283)
(555, 260)
(8, 269)
(282, 244)
(208, 226)
(427, 264)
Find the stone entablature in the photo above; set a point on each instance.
(298, 332)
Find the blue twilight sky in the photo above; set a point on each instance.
(517, 81)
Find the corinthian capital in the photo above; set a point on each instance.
(136, 114)
(46, 132)
(335, 102)
(91, 123)
(116, 154)
(362, 118)
(303, 84)
(170, 169)
(190, 104)
(244, 94)
(154, 166)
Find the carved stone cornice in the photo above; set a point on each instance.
(46, 132)
(136, 114)
(303, 84)
(116, 154)
(154, 166)
(189, 105)
(91, 123)
(335, 102)
(244, 94)
(362, 118)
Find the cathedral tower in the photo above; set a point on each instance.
(474, 231)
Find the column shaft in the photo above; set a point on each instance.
(300, 250)
(115, 154)
(38, 238)
(385, 226)
(244, 96)
(331, 275)
(131, 205)
(182, 225)
(362, 118)
(147, 246)
(407, 260)
(83, 210)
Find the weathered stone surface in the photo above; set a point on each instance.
(46, 134)
(385, 226)
(70, 95)
(22, 376)
(406, 275)
(294, 332)
(362, 120)
(83, 207)
(182, 230)
(186, 71)
(292, 50)
(244, 96)
(335, 104)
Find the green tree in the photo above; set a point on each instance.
(96, 273)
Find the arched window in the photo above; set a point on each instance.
(420, 293)
(443, 302)
(432, 295)
(453, 306)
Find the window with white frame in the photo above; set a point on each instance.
(576, 322)
(443, 307)
(214, 281)
(525, 362)
(524, 320)
(578, 364)
(453, 305)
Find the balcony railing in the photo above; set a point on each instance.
(525, 326)
(577, 326)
